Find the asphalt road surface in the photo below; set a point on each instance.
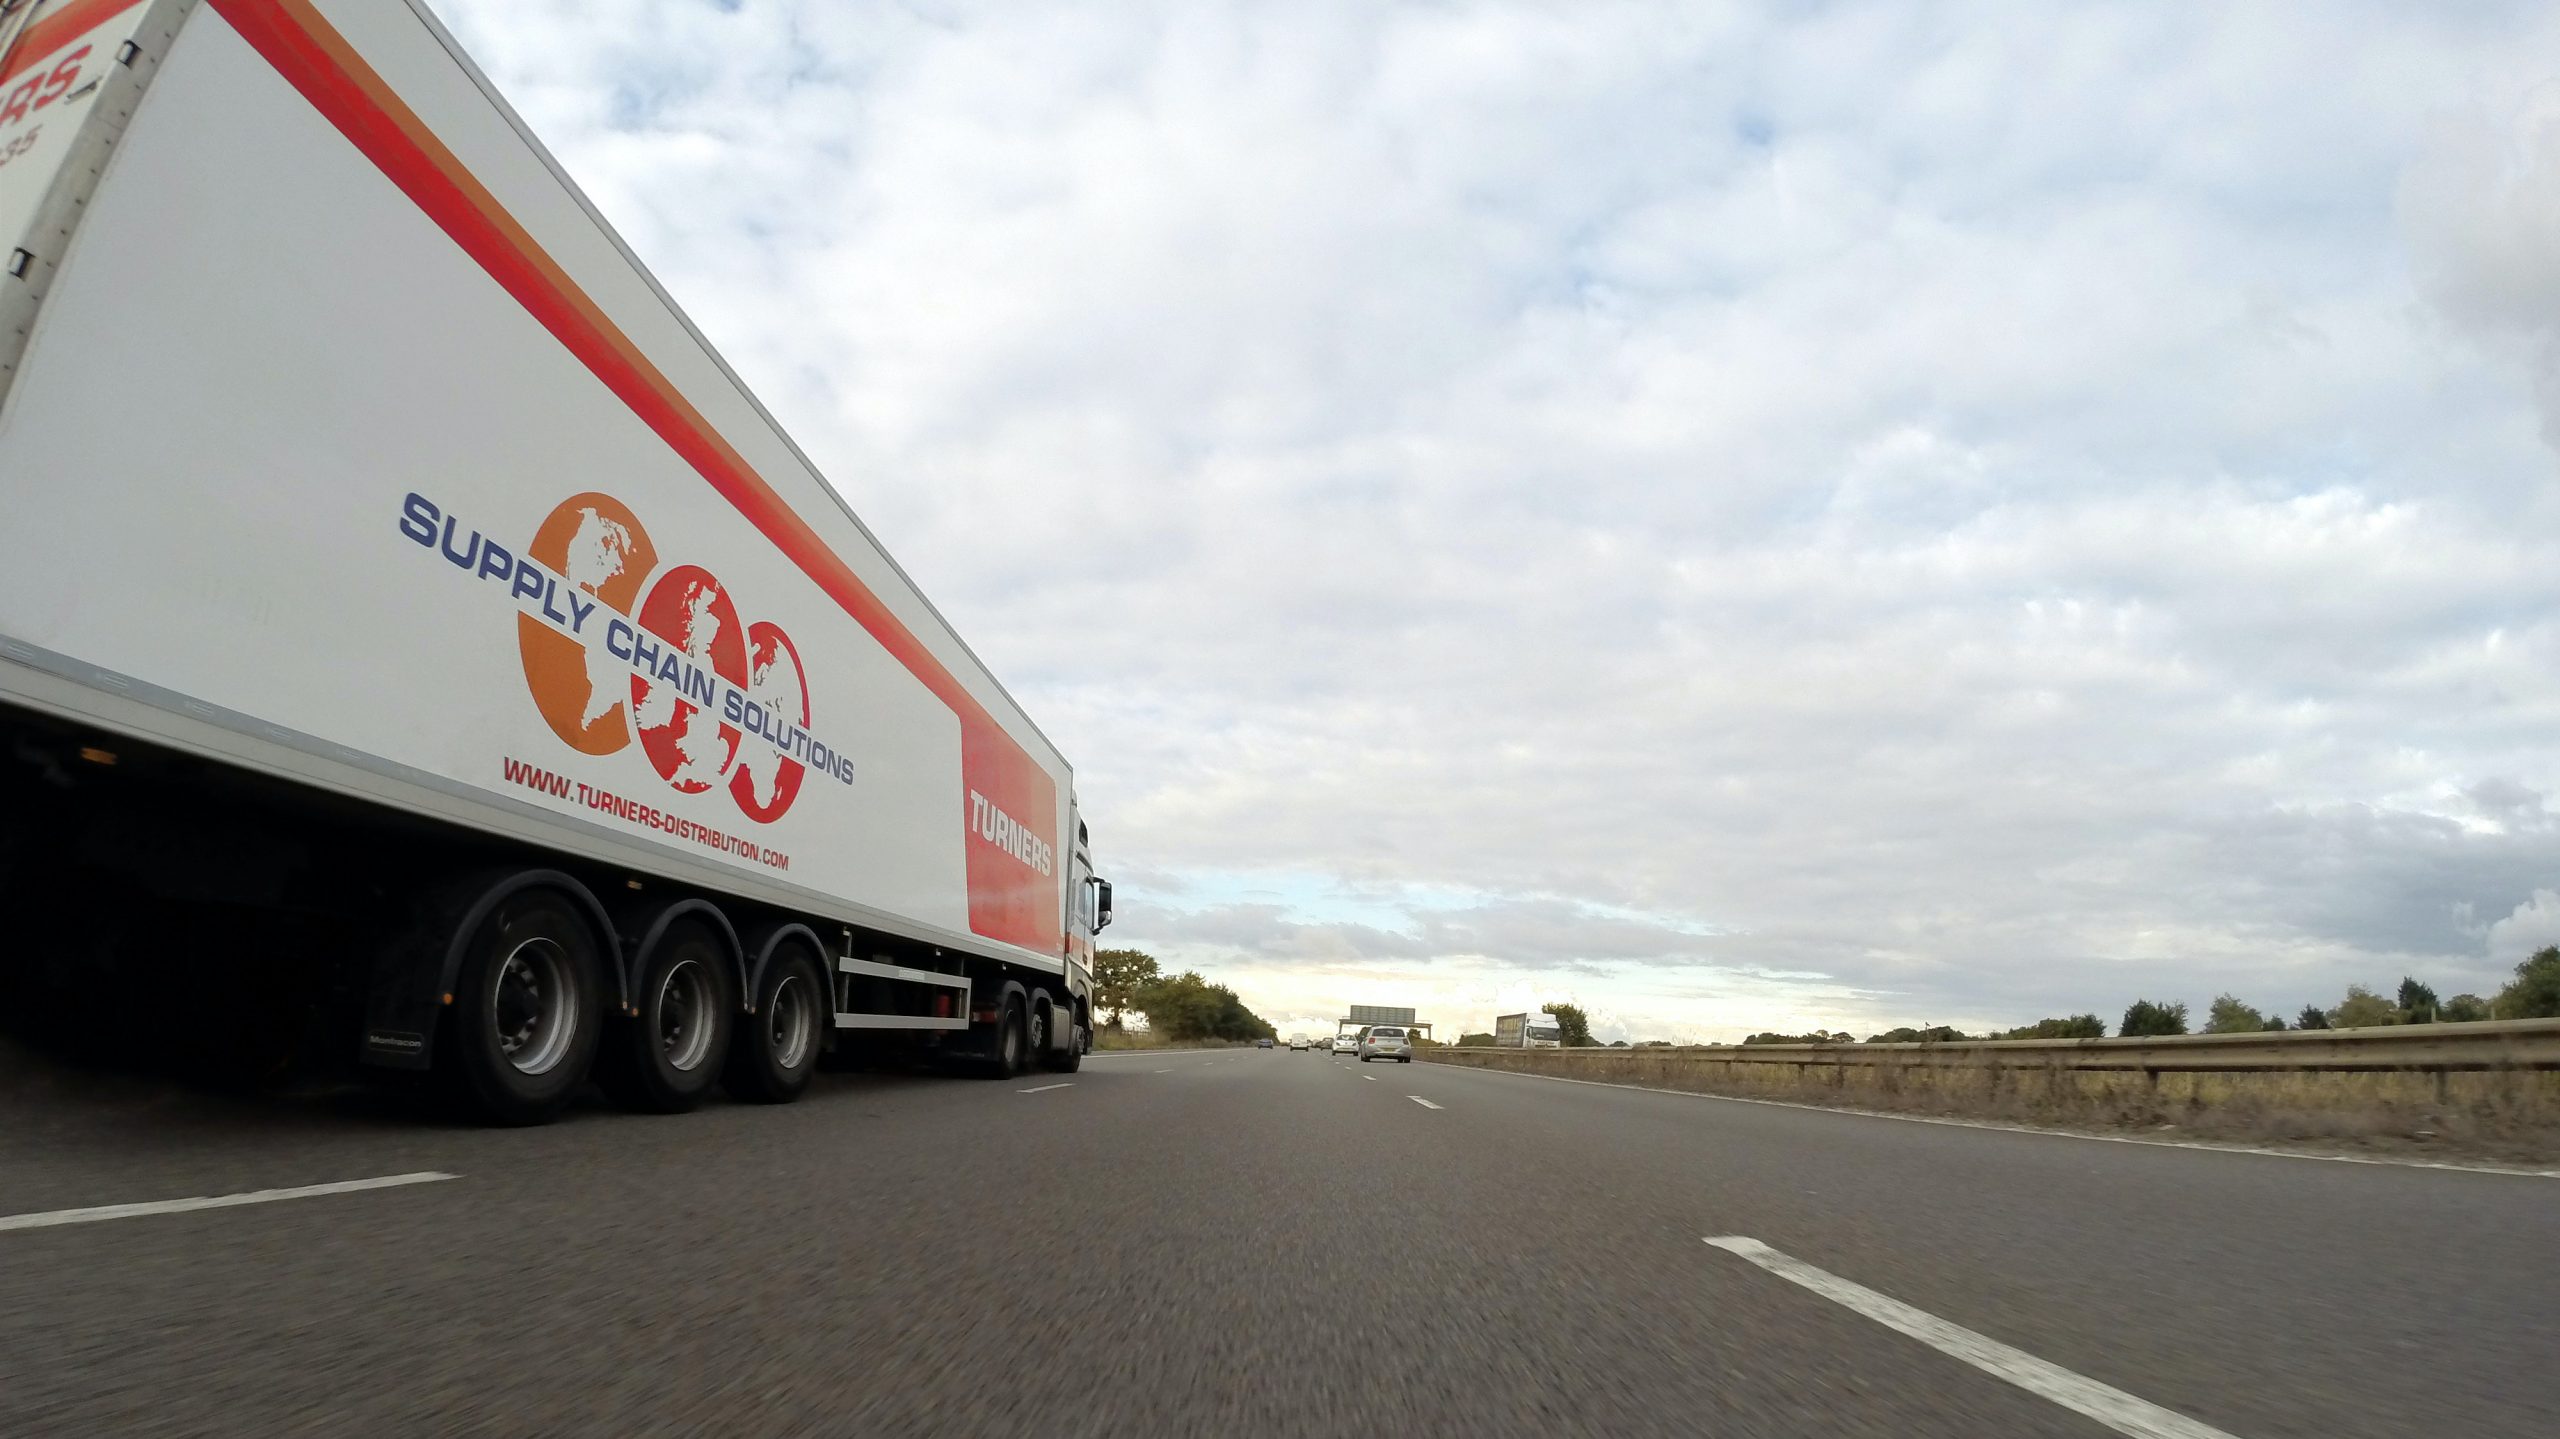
(1233, 1242)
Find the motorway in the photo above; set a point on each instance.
(1232, 1242)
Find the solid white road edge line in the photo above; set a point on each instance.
(92, 1215)
(2199, 1145)
(1425, 1103)
(1045, 1088)
(2112, 1407)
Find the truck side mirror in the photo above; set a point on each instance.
(1102, 906)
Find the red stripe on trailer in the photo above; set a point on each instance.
(1007, 901)
(55, 28)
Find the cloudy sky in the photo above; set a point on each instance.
(1745, 516)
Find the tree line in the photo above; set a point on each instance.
(1188, 1007)
(1181, 1007)
(2534, 993)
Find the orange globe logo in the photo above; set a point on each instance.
(714, 701)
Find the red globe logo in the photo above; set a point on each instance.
(689, 650)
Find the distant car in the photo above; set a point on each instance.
(1297, 1042)
(1384, 1041)
(1262, 1044)
(1346, 1044)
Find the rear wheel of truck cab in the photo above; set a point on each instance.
(1073, 1058)
(664, 1059)
(776, 1048)
(527, 1011)
(1011, 1042)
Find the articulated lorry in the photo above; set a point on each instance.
(414, 635)
(1528, 1031)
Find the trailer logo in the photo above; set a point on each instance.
(617, 646)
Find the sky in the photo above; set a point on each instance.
(1744, 517)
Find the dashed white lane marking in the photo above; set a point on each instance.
(1425, 1103)
(51, 1217)
(1045, 1088)
(2112, 1407)
(1164, 1071)
(1370, 1077)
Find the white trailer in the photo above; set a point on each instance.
(404, 612)
(1540, 1030)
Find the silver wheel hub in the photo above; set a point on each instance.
(685, 1015)
(791, 1027)
(533, 1006)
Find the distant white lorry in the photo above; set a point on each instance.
(1528, 1031)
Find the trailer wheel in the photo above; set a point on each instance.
(527, 1011)
(775, 1049)
(664, 1059)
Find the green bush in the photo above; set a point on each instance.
(2363, 1009)
(2229, 1016)
(2536, 991)
(2078, 1026)
(1187, 1007)
(2417, 1003)
(2145, 1020)
(1934, 1034)
(1118, 975)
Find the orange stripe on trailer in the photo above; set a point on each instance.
(56, 27)
(294, 38)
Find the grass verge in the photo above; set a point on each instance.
(2509, 1116)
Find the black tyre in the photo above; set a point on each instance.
(1012, 1042)
(775, 1049)
(528, 1011)
(664, 1059)
(1077, 1042)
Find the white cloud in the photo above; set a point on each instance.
(2534, 925)
(1884, 514)
(2482, 206)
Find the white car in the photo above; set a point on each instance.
(1384, 1041)
(1298, 1042)
(1346, 1044)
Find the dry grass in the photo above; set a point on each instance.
(2511, 1116)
